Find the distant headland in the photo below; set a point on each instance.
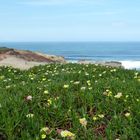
(25, 59)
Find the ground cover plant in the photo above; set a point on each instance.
(71, 101)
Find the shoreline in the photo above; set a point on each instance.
(127, 64)
(24, 59)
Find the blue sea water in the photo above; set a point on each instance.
(124, 52)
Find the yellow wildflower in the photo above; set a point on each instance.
(67, 134)
(49, 102)
(45, 130)
(77, 82)
(46, 92)
(119, 95)
(101, 115)
(95, 118)
(88, 82)
(44, 79)
(83, 88)
(107, 93)
(66, 86)
(83, 122)
(30, 115)
(43, 136)
(29, 98)
(127, 114)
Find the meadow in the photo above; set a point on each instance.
(70, 101)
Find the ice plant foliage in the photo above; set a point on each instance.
(47, 102)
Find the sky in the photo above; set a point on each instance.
(69, 20)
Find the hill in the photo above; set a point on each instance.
(25, 59)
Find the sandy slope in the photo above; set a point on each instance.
(19, 63)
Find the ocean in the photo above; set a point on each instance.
(128, 53)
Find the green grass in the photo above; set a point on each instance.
(90, 93)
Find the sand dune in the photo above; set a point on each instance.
(26, 59)
(19, 63)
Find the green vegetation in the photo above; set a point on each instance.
(72, 101)
(4, 49)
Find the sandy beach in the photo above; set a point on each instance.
(19, 63)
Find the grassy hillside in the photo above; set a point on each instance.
(59, 102)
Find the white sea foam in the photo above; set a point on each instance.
(131, 64)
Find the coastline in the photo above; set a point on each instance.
(25, 59)
(126, 64)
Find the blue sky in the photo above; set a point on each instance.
(69, 20)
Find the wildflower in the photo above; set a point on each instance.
(66, 86)
(83, 88)
(56, 98)
(83, 122)
(44, 79)
(127, 114)
(77, 82)
(86, 74)
(49, 102)
(125, 100)
(43, 136)
(45, 130)
(67, 134)
(88, 82)
(46, 92)
(79, 72)
(95, 118)
(127, 96)
(49, 80)
(7, 87)
(30, 115)
(136, 73)
(29, 98)
(90, 88)
(104, 72)
(113, 70)
(107, 93)
(119, 95)
(101, 115)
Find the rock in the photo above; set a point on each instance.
(102, 63)
(114, 64)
